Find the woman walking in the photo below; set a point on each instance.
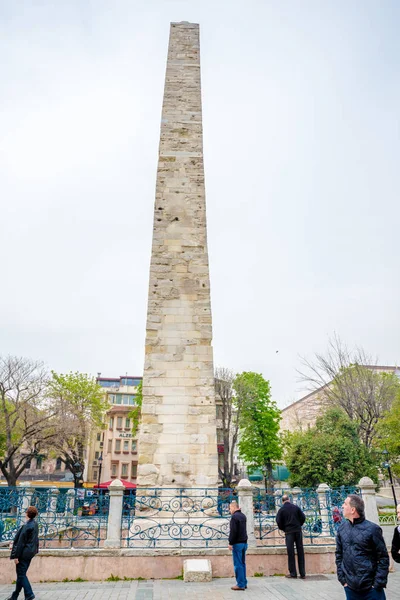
(396, 539)
(25, 546)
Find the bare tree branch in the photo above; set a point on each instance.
(25, 413)
(352, 381)
(228, 415)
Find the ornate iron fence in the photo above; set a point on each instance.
(176, 518)
(11, 505)
(334, 500)
(322, 508)
(389, 519)
(67, 518)
(165, 518)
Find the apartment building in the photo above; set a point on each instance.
(112, 451)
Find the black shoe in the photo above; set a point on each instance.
(31, 597)
(302, 576)
(291, 576)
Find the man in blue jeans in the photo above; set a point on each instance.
(238, 545)
(361, 555)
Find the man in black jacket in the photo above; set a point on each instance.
(290, 519)
(396, 539)
(238, 545)
(25, 546)
(362, 559)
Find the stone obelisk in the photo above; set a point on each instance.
(177, 438)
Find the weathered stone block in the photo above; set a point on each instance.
(197, 570)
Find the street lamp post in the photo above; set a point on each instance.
(77, 473)
(386, 465)
(100, 467)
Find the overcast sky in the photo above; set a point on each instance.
(302, 150)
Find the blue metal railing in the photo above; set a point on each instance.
(323, 513)
(66, 518)
(176, 518)
(164, 518)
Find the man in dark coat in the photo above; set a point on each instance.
(362, 559)
(396, 539)
(25, 546)
(290, 519)
(238, 545)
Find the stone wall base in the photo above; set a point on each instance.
(98, 565)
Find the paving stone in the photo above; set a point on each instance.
(322, 587)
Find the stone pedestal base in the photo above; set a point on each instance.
(197, 570)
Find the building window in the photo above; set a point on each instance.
(58, 464)
(96, 455)
(108, 382)
(111, 398)
(28, 463)
(220, 436)
(98, 437)
(219, 411)
(114, 469)
(126, 445)
(133, 470)
(119, 422)
(126, 399)
(124, 470)
(117, 445)
(109, 446)
(95, 475)
(127, 423)
(129, 399)
(134, 446)
(134, 381)
(111, 424)
(39, 462)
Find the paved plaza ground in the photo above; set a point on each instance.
(317, 587)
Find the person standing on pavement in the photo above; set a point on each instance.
(396, 539)
(362, 559)
(238, 545)
(290, 519)
(24, 548)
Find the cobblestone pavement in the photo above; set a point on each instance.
(317, 587)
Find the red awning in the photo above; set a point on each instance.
(103, 486)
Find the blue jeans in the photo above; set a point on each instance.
(239, 564)
(22, 580)
(371, 594)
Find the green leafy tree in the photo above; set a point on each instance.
(80, 408)
(388, 434)
(136, 413)
(259, 441)
(330, 452)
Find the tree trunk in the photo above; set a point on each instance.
(269, 480)
(11, 475)
(11, 479)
